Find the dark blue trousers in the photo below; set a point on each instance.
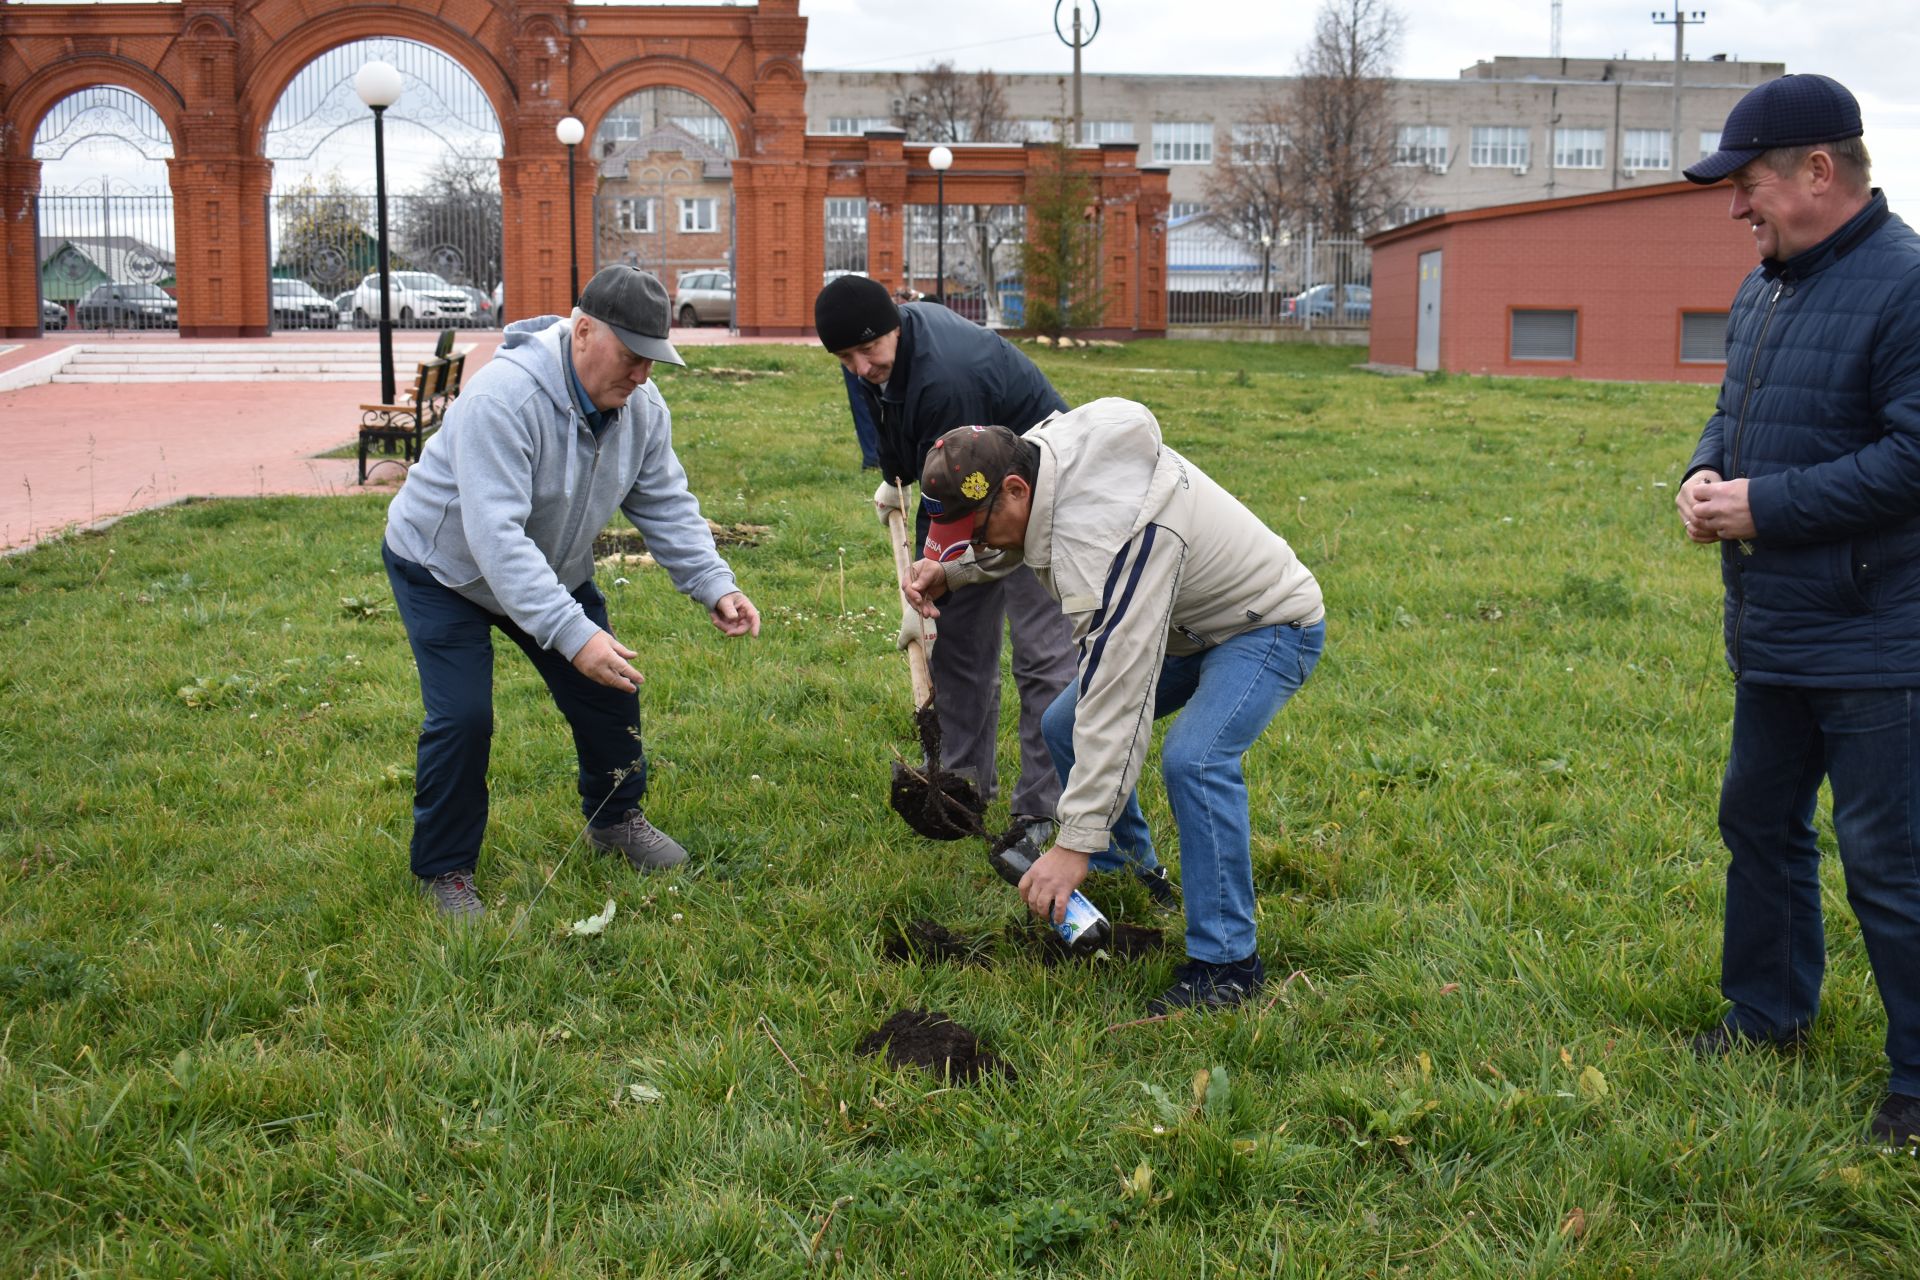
(1785, 740)
(452, 640)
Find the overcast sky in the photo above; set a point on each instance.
(1865, 47)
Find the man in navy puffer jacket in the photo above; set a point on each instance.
(1808, 477)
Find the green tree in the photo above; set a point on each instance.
(324, 234)
(1061, 259)
(451, 221)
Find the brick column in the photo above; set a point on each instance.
(886, 174)
(220, 247)
(19, 247)
(1150, 218)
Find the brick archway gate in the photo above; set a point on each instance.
(213, 69)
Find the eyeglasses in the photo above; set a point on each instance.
(979, 538)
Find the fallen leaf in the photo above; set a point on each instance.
(1592, 1083)
(1426, 1066)
(1200, 1079)
(1449, 988)
(644, 1093)
(594, 924)
(1575, 1223)
(1566, 1059)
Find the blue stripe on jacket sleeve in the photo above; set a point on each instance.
(1119, 612)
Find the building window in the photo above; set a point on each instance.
(1258, 143)
(1414, 212)
(1421, 144)
(1647, 149)
(857, 124)
(636, 214)
(1106, 131)
(847, 235)
(711, 130)
(1184, 209)
(1183, 142)
(696, 214)
(1544, 335)
(1032, 130)
(1498, 146)
(1579, 148)
(1709, 142)
(1703, 337)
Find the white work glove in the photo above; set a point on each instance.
(888, 497)
(914, 627)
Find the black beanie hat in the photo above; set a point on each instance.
(852, 310)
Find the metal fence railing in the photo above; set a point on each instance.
(1305, 282)
(982, 259)
(326, 246)
(106, 258)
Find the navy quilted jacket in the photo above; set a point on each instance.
(1820, 411)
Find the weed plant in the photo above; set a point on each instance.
(233, 1041)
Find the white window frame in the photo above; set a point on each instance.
(856, 125)
(1709, 142)
(1650, 149)
(1256, 144)
(1184, 209)
(1424, 145)
(1183, 142)
(1500, 146)
(1414, 212)
(1579, 148)
(1037, 129)
(691, 209)
(1106, 131)
(627, 207)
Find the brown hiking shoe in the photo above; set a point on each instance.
(454, 895)
(647, 847)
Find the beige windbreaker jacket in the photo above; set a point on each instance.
(1147, 556)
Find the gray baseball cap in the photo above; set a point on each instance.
(634, 305)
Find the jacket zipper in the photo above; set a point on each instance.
(1746, 546)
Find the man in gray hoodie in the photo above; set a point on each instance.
(494, 529)
(1181, 599)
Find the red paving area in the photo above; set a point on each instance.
(72, 454)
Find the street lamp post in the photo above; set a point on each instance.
(379, 85)
(941, 159)
(570, 131)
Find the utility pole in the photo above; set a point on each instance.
(1082, 37)
(1678, 22)
(1555, 46)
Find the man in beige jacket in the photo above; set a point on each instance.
(1182, 600)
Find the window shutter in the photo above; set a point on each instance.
(1543, 335)
(1703, 337)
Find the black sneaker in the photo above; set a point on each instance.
(454, 895)
(1201, 986)
(1897, 1122)
(1727, 1038)
(1158, 886)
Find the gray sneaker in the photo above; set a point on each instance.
(454, 895)
(647, 847)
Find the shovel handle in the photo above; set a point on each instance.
(916, 652)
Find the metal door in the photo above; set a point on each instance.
(1426, 354)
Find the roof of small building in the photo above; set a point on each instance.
(1525, 207)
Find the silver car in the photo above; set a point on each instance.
(704, 297)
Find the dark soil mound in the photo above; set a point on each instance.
(1129, 941)
(929, 940)
(935, 1043)
(938, 804)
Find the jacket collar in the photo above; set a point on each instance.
(1834, 247)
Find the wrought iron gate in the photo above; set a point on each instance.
(982, 257)
(325, 249)
(106, 257)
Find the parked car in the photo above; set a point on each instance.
(343, 307)
(704, 297)
(128, 306)
(414, 298)
(500, 299)
(298, 305)
(1318, 302)
(52, 315)
(483, 313)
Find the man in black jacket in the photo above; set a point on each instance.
(1808, 478)
(924, 370)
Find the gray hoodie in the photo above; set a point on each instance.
(509, 494)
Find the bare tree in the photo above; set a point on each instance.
(1341, 119)
(1254, 196)
(941, 104)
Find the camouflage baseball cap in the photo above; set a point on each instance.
(961, 472)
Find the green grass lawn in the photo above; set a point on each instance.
(233, 1042)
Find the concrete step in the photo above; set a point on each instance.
(251, 376)
(235, 362)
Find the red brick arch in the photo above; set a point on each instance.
(214, 70)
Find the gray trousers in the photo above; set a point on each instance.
(966, 682)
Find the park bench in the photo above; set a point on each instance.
(407, 425)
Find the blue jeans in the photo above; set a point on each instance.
(452, 639)
(1785, 740)
(1227, 695)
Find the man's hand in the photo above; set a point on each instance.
(1720, 512)
(735, 615)
(1688, 498)
(1052, 879)
(888, 497)
(914, 627)
(604, 660)
(926, 582)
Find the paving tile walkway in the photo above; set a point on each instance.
(74, 454)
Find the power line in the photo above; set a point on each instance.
(955, 48)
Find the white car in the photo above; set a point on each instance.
(414, 298)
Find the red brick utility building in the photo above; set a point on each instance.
(1627, 285)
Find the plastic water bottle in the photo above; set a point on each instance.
(1084, 927)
